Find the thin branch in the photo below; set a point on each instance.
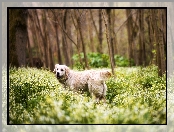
(73, 21)
(132, 13)
(63, 29)
(94, 25)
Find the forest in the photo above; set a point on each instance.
(88, 38)
(132, 43)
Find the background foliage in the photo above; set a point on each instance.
(98, 60)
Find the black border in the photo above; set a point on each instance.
(75, 8)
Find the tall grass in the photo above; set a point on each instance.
(136, 96)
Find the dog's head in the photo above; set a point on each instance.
(61, 71)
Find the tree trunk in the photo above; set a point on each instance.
(40, 25)
(141, 38)
(153, 36)
(164, 25)
(114, 34)
(59, 58)
(49, 44)
(110, 32)
(150, 36)
(21, 41)
(38, 41)
(69, 42)
(29, 52)
(45, 37)
(18, 37)
(130, 37)
(161, 43)
(82, 39)
(108, 41)
(154, 23)
(100, 32)
(78, 44)
(91, 35)
(97, 33)
(64, 40)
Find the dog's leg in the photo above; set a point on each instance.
(97, 100)
(104, 99)
(90, 89)
(103, 96)
(104, 88)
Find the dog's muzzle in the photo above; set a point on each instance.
(58, 75)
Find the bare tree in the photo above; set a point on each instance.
(41, 25)
(114, 34)
(70, 44)
(18, 36)
(100, 35)
(108, 41)
(130, 36)
(78, 40)
(64, 40)
(29, 52)
(150, 35)
(56, 16)
(91, 34)
(161, 39)
(142, 55)
(36, 37)
(79, 22)
(111, 34)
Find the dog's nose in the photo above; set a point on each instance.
(58, 74)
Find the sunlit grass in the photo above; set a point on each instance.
(136, 96)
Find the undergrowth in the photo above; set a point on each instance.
(135, 96)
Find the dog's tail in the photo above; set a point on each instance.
(105, 74)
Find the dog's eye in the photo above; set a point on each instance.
(62, 70)
(57, 69)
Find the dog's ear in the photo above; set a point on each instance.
(55, 67)
(67, 70)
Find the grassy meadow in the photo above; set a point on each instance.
(135, 96)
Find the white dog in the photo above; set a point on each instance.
(81, 81)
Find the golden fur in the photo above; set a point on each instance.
(80, 81)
